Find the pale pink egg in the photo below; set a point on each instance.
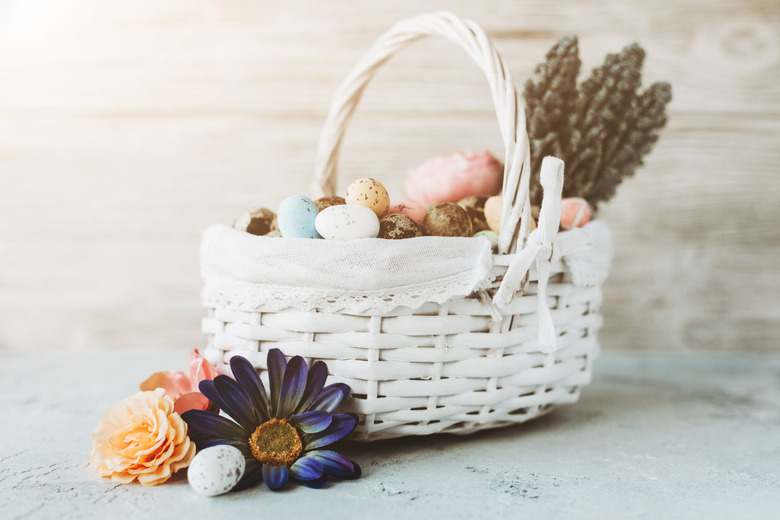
(411, 210)
(454, 177)
(575, 212)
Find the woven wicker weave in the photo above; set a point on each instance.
(459, 366)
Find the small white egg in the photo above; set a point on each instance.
(347, 222)
(216, 470)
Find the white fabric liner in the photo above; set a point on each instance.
(589, 266)
(252, 271)
(249, 272)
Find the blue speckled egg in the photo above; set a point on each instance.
(296, 217)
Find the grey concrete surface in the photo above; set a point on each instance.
(654, 436)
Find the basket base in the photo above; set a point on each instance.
(461, 413)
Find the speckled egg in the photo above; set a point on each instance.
(326, 202)
(493, 209)
(575, 212)
(260, 221)
(411, 210)
(347, 222)
(447, 220)
(475, 207)
(296, 217)
(216, 470)
(397, 226)
(369, 193)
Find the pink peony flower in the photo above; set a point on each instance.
(141, 438)
(453, 178)
(411, 210)
(183, 388)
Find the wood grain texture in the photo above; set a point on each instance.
(126, 129)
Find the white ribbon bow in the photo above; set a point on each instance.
(539, 248)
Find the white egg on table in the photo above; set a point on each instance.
(216, 470)
(347, 222)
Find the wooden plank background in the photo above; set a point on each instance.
(127, 127)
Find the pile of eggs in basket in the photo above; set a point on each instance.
(453, 196)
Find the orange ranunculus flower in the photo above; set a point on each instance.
(141, 438)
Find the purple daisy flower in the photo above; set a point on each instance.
(281, 435)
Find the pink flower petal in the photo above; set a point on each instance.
(174, 383)
(200, 368)
(191, 401)
(411, 210)
(454, 177)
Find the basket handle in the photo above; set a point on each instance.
(509, 109)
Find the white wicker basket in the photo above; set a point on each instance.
(488, 359)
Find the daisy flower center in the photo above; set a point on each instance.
(276, 443)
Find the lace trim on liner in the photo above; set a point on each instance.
(253, 297)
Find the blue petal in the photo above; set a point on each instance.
(335, 464)
(306, 468)
(201, 422)
(250, 382)
(236, 403)
(318, 373)
(208, 429)
(330, 398)
(275, 477)
(208, 388)
(293, 386)
(207, 441)
(357, 472)
(277, 364)
(252, 474)
(342, 425)
(312, 422)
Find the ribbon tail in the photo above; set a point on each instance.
(547, 334)
(513, 278)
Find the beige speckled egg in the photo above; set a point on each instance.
(260, 221)
(447, 220)
(493, 208)
(397, 226)
(326, 202)
(475, 207)
(369, 193)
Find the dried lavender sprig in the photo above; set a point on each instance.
(634, 139)
(607, 126)
(598, 113)
(549, 96)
